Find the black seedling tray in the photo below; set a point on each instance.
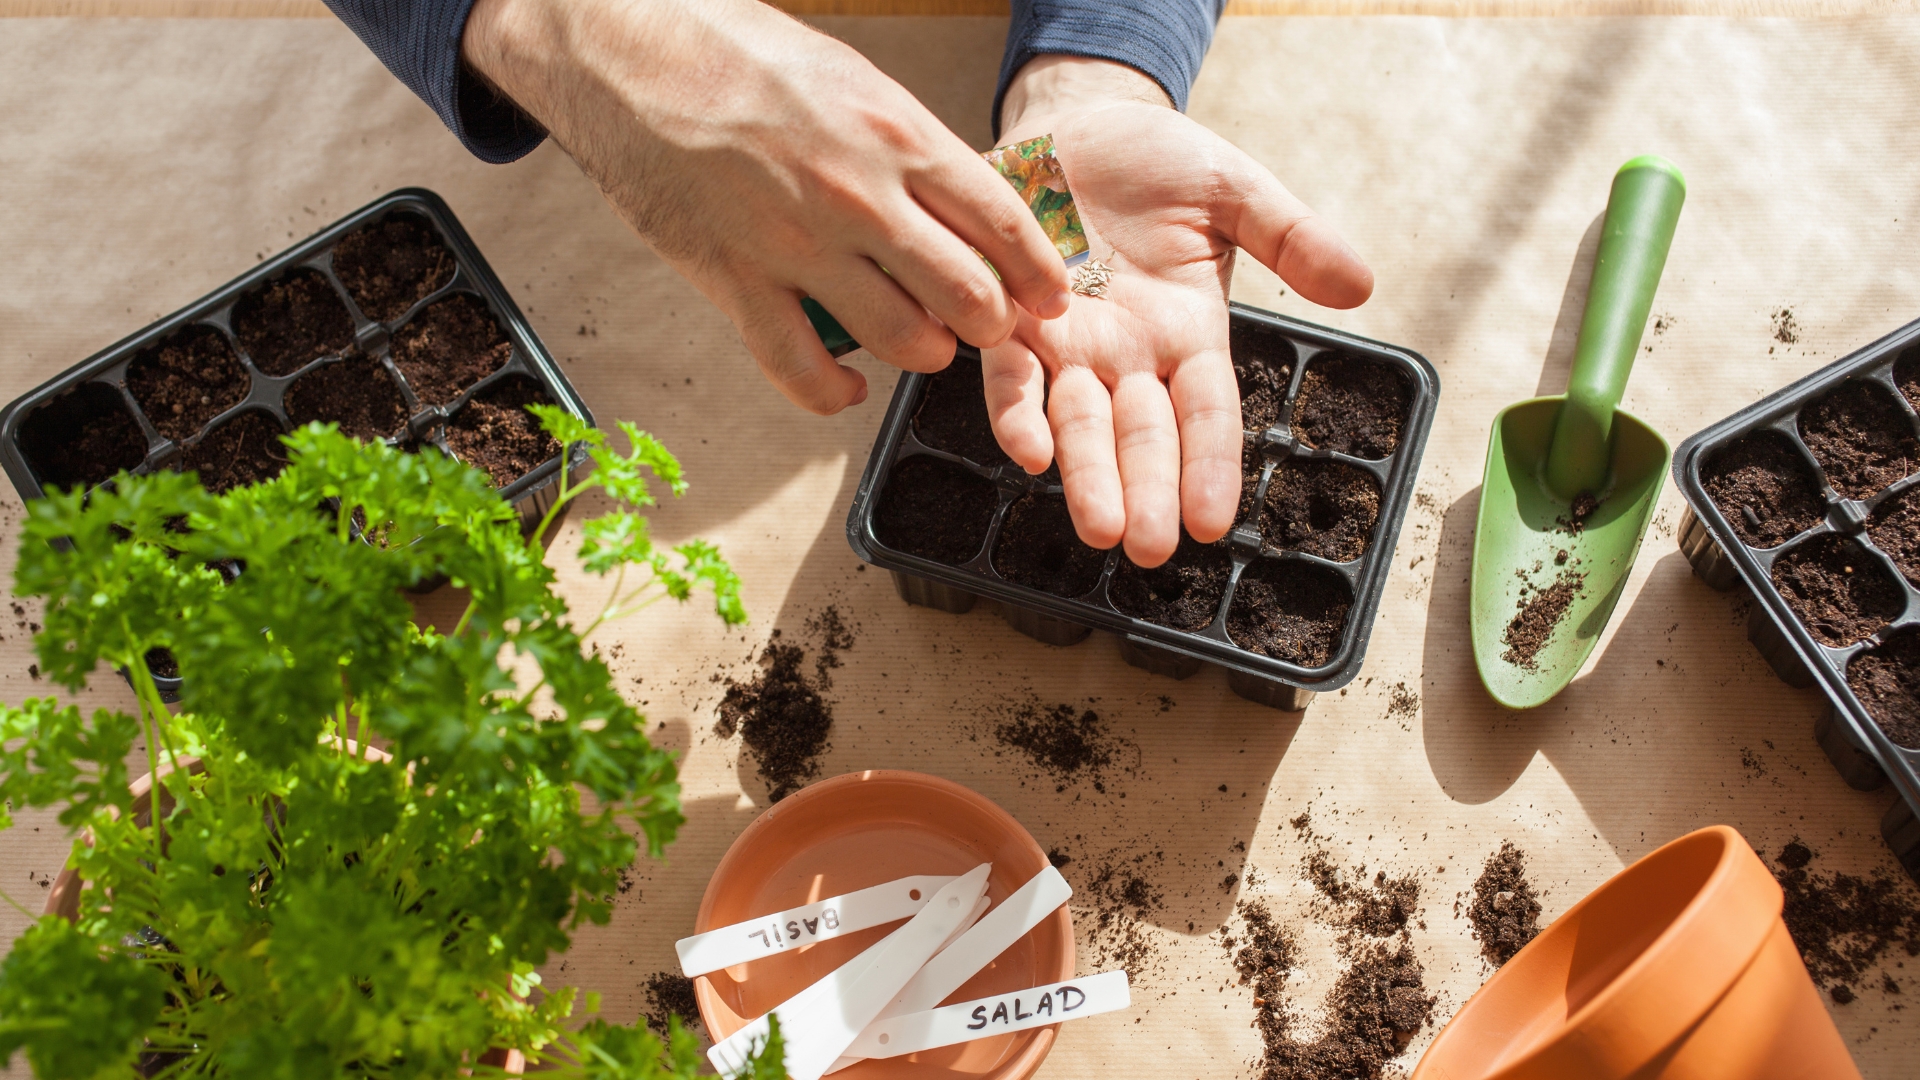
(1290, 349)
(1803, 519)
(96, 389)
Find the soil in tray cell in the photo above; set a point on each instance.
(936, 510)
(1323, 508)
(187, 380)
(1039, 549)
(449, 347)
(1837, 588)
(1895, 529)
(1289, 610)
(1352, 405)
(1906, 374)
(1763, 486)
(1887, 680)
(1263, 362)
(1184, 592)
(953, 415)
(291, 321)
(1862, 438)
(391, 265)
(244, 450)
(82, 437)
(356, 393)
(495, 432)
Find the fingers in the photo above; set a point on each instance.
(883, 318)
(932, 265)
(778, 334)
(970, 197)
(1016, 403)
(1081, 411)
(1206, 404)
(1147, 443)
(1263, 218)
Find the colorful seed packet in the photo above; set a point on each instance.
(1034, 172)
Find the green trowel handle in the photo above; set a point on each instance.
(1642, 210)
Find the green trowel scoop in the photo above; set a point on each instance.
(1571, 481)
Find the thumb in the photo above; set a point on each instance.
(1260, 216)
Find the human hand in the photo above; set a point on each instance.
(766, 162)
(1143, 410)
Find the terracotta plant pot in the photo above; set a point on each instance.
(1678, 968)
(865, 829)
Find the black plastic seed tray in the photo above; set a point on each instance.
(1285, 604)
(1808, 499)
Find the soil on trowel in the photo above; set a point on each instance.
(1289, 610)
(495, 432)
(1038, 548)
(449, 346)
(356, 393)
(291, 321)
(1846, 926)
(936, 510)
(1323, 508)
(1539, 616)
(1505, 911)
(1840, 591)
(391, 265)
(953, 414)
(1895, 529)
(1263, 364)
(1862, 438)
(1352, 406)
(1887, 681)
(1183, 593)
(781, 714)
(670, 994)
(1763, 486)
(187, 380)
(82, 437)
(244, 450)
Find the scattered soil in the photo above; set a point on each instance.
(291, 321)
(936, 510)
(1323, 508)
(1037, 548)
(1906, 375)
(494, 431)
(1844, 925)
(953, 414)
(1763, 486)
(1352, 406)
(356, 393)
(1895, 529)
(1119, 935)
(1381, 908)
(1862, 438)
(1786, 330)
(1403, 704)
(1837, 588)
(1887, 680)
(1289, 610)
(244, 450)
(82, 437)
(780, 714)
(1505, 911)
(1539, 615)
(670, 993)
(391, 265)
(1184, 592)
(1067, 742)
(187, 380)
(1267, 952)
(1263, 362)
(449, 346)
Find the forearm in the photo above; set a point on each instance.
(1163, 40)
(1051, 86)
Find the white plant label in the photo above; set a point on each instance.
(823, 920)
(978, 1019)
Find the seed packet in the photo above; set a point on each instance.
(1034, 172)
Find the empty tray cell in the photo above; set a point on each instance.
(1906, 374)
(936, 510)
(82, 437)
(291, 321)
(1263, 363)
(1887, 679)
(1289, 610)
(1323, 508)
(495, 432)
(1038, 548)
(187, 380)
(1862, 438)
(1184, 592)
(244, 450)
(448, 347)
(1837, 588)
(1895, 529)
(391, 265)
(356, 393)
(953, 414)
(1352, 405)
(1764, 488)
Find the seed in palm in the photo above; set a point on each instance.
(1090, 278)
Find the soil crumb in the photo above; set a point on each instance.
(1403, 704)
(1539, 615)
(1067, 742)
(1505, 911)
(670, 993)
(1786, 330)
(1843, 924)
(780, 713)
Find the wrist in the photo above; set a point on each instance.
(1054, 85)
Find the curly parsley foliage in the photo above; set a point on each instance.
(302, 910)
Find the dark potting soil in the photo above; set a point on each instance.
(780, 714)
(1323, 508)
(187, 380)
(1122, 902)
(1533, 625)
(391, 265)
(1763, 486)
(1381, 908)
(1887, 680)
(1184, 592)
(1038, 548)
(1263, 363)
(291, 321)
(1352, 405)
(82, 437)
(162, 665)
(494, 431)
(936, 510)
(1862, 438)
(1505, 912)
(1906, 374)
(1065, 741)
(670, 993)
(1895, 529)
(1837, 588)
(1289, 610)
(1845, 925)
(449, 346)
(244, 450)
(953, 415)
(356, 393)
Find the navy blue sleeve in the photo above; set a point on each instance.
(1166, 39)
(419, 41)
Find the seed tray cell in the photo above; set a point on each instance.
(1808, 498)
(1285, 603)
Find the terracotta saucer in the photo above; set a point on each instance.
(865, 829)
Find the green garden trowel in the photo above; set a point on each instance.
(1571, 481)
